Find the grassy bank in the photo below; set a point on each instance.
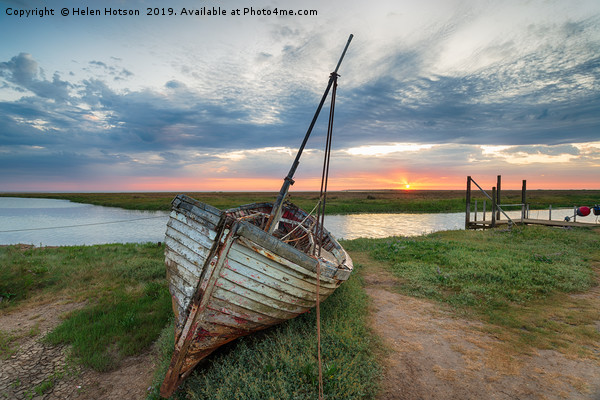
(128, 306)
(123, 286)
(389, 201)
(529, 286)
(520, 282)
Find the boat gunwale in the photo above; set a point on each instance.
(293, 255)
(341, 271)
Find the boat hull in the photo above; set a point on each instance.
(229, 278)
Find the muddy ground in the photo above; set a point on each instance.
(41, 371)
(434, 355)
(430, 355)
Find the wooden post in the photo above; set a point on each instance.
(574, 213)
(550, 213)
(484, 209)
(494, 207)
(498, 202)
(468, 209)
(523, 200)
(475, 216)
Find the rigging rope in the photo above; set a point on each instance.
(302, 222)
(320, 221)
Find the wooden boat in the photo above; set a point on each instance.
(241, 270)
(228, 277)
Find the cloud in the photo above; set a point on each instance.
(174, 84)
(117, 73)
(510, 102)
(473, 81)
(22, 72)
(99, 63)
(22, 69)
(94, 116)
(493, 86)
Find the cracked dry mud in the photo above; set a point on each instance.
(38, 370)
(432, 355)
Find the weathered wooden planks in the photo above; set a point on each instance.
(229, 278)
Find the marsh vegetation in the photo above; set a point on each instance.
(341, 202)
(527, 286)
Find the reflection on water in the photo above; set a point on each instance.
(48, 222)
(383, 225)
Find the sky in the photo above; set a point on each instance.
(430, 91)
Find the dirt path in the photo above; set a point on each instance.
(40, 371)
(433, 355)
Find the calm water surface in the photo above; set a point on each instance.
(49, 222)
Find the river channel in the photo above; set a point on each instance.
(50, 222)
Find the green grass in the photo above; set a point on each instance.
(165, 346)
(7, 347)
(489, 270)
(343, 202)
(123, 285)
(81, 272)
(128, 306)
(118, 326)
(281, 362)
(518, 281)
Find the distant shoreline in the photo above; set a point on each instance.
(338, 202)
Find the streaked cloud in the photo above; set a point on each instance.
(429, 90)
(380, 150)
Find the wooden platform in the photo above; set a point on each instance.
(483, 224)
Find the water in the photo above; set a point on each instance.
(383, 225)
(49, 222)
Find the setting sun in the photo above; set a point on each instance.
(407, 186)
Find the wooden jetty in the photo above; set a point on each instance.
(483, 224)
(494, 217)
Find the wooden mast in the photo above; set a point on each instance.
(289, 179)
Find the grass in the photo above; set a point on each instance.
(123, 285)
(128, 307)
(519, 281)
(529, 285)
(77, 272)
(343, 202)
(7, 347)
(118, 326)
(8, 340)
(281, 362)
